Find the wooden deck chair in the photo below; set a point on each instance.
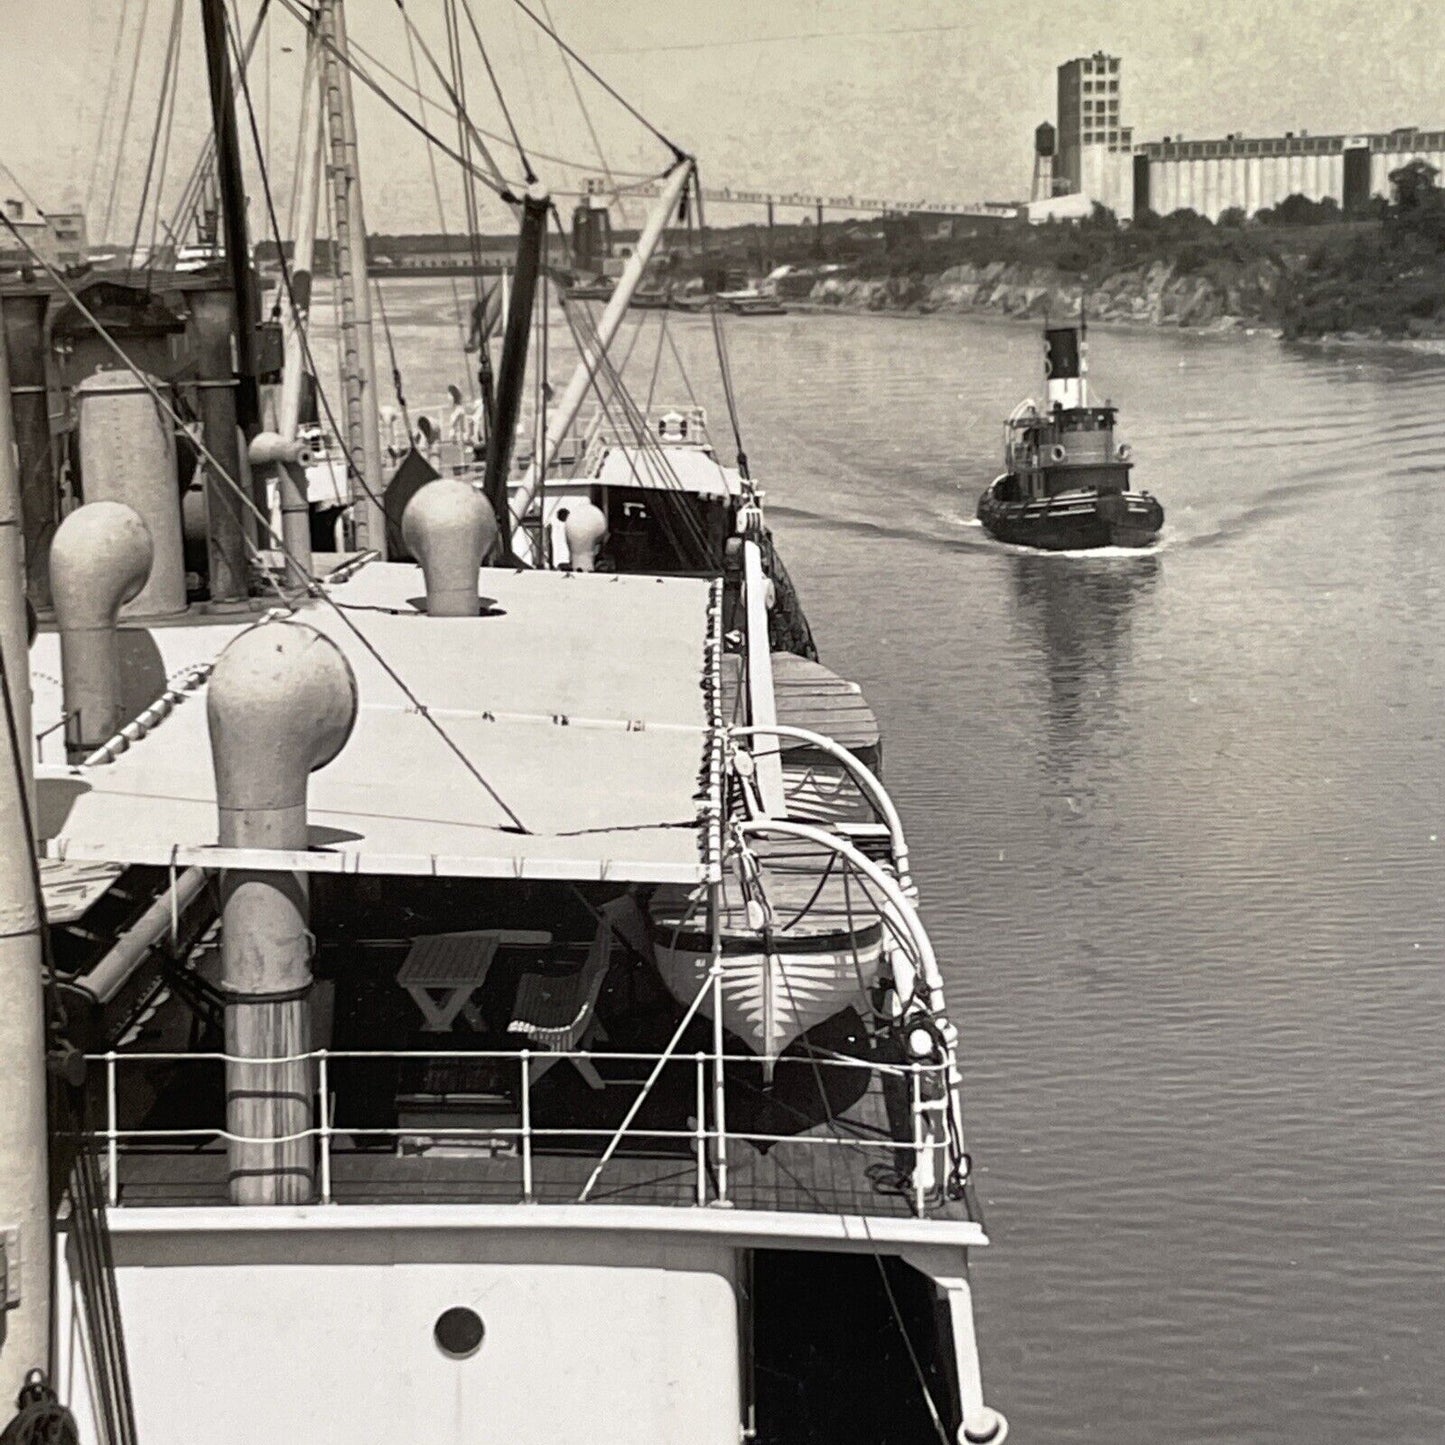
(557, 1013)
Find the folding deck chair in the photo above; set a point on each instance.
(558, 1012)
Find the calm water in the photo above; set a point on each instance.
(1177, 819)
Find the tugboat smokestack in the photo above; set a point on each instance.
(100, 559)
(450, 528)
(281, 703)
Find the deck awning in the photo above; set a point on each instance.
(587, 702)
(691, 470)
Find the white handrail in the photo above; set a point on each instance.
(907, 914)
(889, 887)
(762, 700)
(867, 780)
(525, 1133)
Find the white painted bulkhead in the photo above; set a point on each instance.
(320, 1335)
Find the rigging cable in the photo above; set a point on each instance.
(125, 119)
(720, 345)
(586, 114)
(469, 190)
(95, 1265)
(527, 170)
(391, 353)
(496, 180)
(746, 857)
(170, 72)
(656, 464)
(303, 18)
(656, 364)
(314, 586)
(663, 513)
(414, 89)
(201, 175)
(431, 162)
(539, 410)
(247, 503)
(626, 104)
(165, 153)
(111, 79)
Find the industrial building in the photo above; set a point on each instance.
(58, 236)
(1098, 160)
(1250, 174)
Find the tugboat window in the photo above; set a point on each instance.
(459, 1332)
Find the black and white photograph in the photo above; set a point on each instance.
(721, 724)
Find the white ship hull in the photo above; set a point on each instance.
(317, 1324)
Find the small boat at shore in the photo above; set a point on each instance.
(736, 303)
(1065, 484)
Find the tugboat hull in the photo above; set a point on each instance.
(1072, 521)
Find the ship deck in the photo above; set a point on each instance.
(806, 1174)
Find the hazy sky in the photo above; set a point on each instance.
(925, 99)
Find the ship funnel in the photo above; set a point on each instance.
(585, 527)
(281, 703)
(100, 559)
(450, 528)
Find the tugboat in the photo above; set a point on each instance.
(1065, 484)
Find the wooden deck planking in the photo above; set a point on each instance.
(808, 696)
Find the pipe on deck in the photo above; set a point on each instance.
(100, 560)
(103, 982)
(281, 703)
(287, 460)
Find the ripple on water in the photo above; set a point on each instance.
(1174, 817)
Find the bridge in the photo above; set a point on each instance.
(856, 205)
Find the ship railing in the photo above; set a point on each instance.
(920, 1168)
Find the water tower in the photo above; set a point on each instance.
(1045, 143)
(591, 230)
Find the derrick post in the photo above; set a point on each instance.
(24, 1158)
(535, 207)
(363, 427)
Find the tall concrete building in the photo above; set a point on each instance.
(1094, 146)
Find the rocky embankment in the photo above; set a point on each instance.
(1158, 293)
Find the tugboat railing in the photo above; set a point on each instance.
(927, 1085)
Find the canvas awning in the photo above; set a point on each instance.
(587, 702)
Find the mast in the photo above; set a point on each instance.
(233, 214)
(226, 525)
(595, 349)
(24, 1158)
(363, 430)
(535, 208)
(14, 618)
(310, 138)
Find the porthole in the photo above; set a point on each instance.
(459, 1332)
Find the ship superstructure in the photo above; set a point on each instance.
(485, 992)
